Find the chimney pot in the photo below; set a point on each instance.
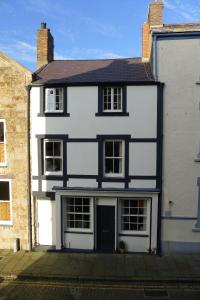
(43, 25)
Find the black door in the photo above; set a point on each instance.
(106, 228)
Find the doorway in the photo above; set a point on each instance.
(105, 228)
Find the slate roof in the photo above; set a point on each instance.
(94, 71)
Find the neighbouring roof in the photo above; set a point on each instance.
(92, 71)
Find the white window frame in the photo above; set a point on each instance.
(71, 229)
(4, 164)
(112, 99)
(122, 157)
(135, 232)
(10, 195)
(61, 100)
(58, 157)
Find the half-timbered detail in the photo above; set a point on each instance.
(96, 172)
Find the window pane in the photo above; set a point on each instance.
(4, 211)
(109, 165)
(78, 209)
(1, 132)
(4, 191)
(133, 214)
(50, 99)
(117, 166)
(49, 164)
(86, 201)
(78, 201)
(57, 164)
(57, 148)
(116, 149)
(49, 148)
(108, 149)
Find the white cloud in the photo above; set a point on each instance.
(19, 50)
(189, 12)
(93, 53)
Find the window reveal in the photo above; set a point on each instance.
(113, 160)
(2, 142)
(52, 157)
(5, 208)
(54, 100)
(112, 99)
(78, 213)
(133, 215)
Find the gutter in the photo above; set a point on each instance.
(28, 88)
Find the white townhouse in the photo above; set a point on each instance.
(96, 144)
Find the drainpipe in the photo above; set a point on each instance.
(28, 88)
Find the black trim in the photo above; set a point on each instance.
(41, 175)
(79, 232)
(101, 112)
(143, 177)
(102, 178)
(143, 140)
(95, 83)
(150, 229)
(159, 162)
(52, 114)
(61, 221)
(81, 140)
(44, 195)
(112, 114)
(48, 177)
(135, 235)
(83, 176)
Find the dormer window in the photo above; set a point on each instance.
(112, 99)
(53, 100)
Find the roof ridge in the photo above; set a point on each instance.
(97, 59)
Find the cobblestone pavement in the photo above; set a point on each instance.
(59, 290)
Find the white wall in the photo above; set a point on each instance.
(178, 68)
(142, 160)
(82, 158)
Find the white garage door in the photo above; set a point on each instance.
(44, 219)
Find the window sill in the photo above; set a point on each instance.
(53, 114)
(7, 224)
(196, 229)
(3, 165)
(133, 233)
(78, 232)
(112, 114)
(53, 174)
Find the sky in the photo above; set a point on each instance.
(83, 29)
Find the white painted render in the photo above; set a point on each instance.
(142, 160)
(82, 158)
(82, 183)
(82, 106)
(47, 185)
(139, 184)
(178, 67)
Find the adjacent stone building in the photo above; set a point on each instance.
(14, 182)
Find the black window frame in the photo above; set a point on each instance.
(101, 140)
(101, 111)
(43, 112)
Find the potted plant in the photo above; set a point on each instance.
(122, 247)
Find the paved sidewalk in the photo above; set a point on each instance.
(113, 267)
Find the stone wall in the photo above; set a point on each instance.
(13, 109)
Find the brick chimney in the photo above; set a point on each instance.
(45, 46)
(154, 20)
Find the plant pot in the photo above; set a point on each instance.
(122, 250)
